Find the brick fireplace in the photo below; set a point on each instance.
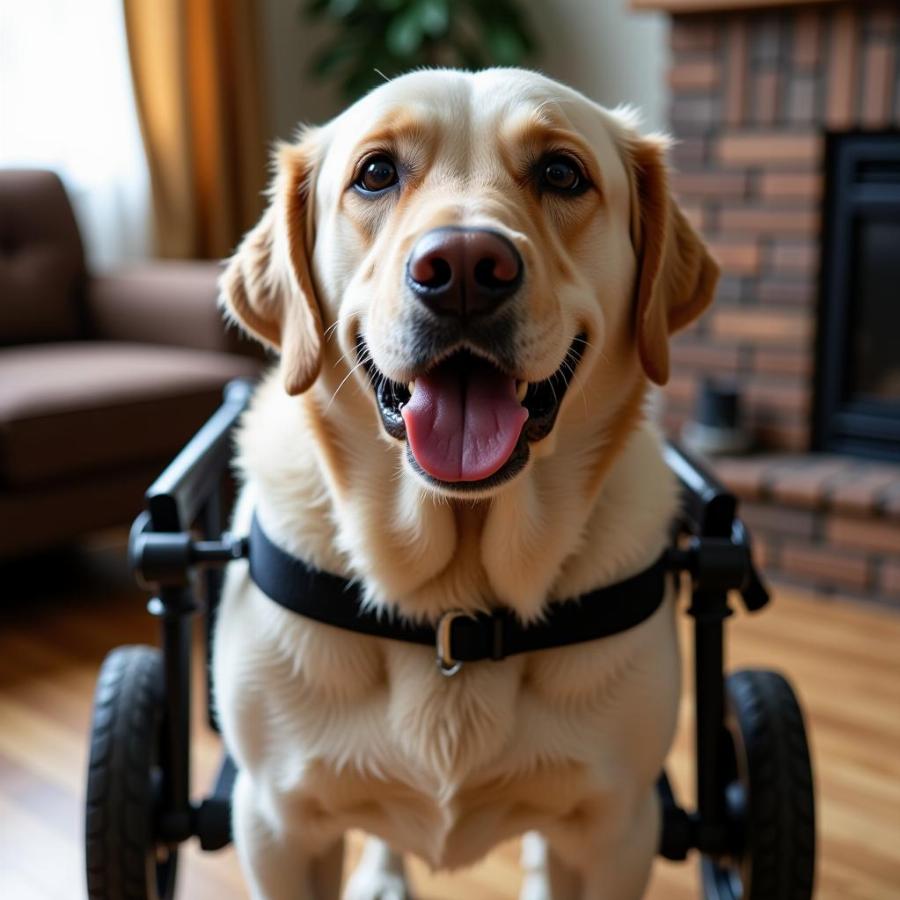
(757, 87)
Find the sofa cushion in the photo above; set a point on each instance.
(71, 409)
(164, 301)
(58, 511)
(41, 259)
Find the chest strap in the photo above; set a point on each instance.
(458, 637)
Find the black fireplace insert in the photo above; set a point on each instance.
(857, 408)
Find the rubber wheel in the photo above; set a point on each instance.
(770, 795)
(122, 857)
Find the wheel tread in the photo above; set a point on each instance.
(127, 707)
(781, 832)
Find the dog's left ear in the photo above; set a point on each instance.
(676, 277)
(267, 286)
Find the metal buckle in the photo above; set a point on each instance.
(446, 664)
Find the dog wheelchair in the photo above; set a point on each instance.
(754, 823)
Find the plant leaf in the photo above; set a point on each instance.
(333, 56)
(396, 35)
(340, 8)
(315, 8)
(404, 35)
(505, 45)
(434, 16)
(469, 55)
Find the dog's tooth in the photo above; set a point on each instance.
(411, 387)
(521, 390)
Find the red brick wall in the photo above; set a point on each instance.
(752, 97)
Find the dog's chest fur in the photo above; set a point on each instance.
(367, 733)
(370, 735)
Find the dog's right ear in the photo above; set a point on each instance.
(267, 286)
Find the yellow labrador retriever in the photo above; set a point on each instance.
(471, 280)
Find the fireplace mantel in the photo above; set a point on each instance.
(710, 6)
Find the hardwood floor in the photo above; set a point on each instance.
(59, 618)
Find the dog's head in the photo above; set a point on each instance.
(474, 245)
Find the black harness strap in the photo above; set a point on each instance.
(458, 637)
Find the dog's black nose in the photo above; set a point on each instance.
(463, 271)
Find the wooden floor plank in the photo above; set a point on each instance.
(844, 659)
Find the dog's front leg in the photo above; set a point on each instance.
(614, 860)
(282, 859)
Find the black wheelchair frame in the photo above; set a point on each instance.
(178, 550)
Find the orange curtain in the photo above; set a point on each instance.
(197, 75)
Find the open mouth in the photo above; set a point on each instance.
(467, 423)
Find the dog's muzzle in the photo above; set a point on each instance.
(466, 421)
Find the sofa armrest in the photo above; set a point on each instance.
(170, 302)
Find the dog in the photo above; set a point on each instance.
(471, 280)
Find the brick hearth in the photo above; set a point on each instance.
(828, 522)
(756, 85)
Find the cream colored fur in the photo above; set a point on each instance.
(333, 730)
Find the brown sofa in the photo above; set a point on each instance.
(102, 378)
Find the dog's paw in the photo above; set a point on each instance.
(535, 883)
(535, 886)
(377, 885)
(379, 875)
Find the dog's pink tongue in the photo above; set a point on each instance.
(463, 421)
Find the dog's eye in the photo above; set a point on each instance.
(378, 173)
(561, 175)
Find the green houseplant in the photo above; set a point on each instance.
(373, 39)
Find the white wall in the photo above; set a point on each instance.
(606, 51)
(598, 46)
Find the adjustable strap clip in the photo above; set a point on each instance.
(446, 664)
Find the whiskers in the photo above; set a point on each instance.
(331, 330)
(364, 359)
(569, 364)
(568, 375)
